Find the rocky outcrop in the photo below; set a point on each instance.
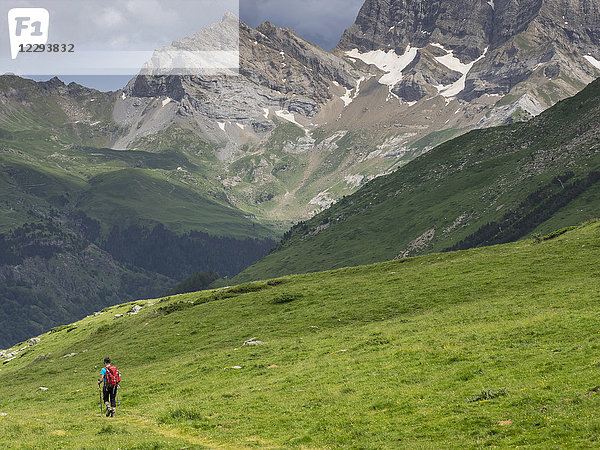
(521, 40)
(279, 74)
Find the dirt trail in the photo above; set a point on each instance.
(174, 433)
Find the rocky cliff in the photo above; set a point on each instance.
(540, 47)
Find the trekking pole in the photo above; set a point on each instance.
(101, 402)
(119, 398)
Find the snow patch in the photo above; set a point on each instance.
(166, 101)
(123, 96)
(266, 112)
(390, 62)
(453, 63)
(221, 126)
(286, 115)
(241, 126)
(492, 4)
(349, 96)
(593, 61)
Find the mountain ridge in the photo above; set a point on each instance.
(533, 177)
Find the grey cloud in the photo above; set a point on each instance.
(319, 21)
(124, 24)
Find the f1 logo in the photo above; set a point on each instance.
(27, 26)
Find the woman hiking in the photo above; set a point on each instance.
(109, 375)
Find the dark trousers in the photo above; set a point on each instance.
(109, 393)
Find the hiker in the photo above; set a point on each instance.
(109, 375)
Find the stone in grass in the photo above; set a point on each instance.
(118, 316)
(33, 341)
(3, 414)
(70, 355)
(253, 341)
(136, 309)
(41, 388)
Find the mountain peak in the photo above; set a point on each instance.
(469, 26)
(520, 41)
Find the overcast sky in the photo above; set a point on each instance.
(319, 21)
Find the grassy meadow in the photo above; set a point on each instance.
(496, 346)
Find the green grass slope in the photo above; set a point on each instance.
(485, 347)
(134, 196)
(486, 187)
(53, 153)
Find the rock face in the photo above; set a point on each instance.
(280, 75)
(297, 126)
(523, 41)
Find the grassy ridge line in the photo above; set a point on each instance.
(493, 346)
(117, 197)
(453, 191)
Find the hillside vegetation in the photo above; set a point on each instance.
(495, 346)
(83, 227)
(486, 187)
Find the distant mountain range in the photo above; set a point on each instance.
(301, 127)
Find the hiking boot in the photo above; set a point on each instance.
(107, 411)
(112, 413)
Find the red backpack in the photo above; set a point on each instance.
(112, 376)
